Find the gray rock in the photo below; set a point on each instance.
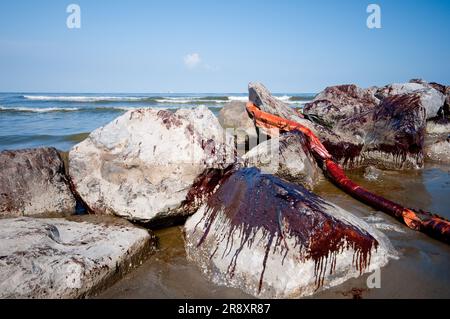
(142, 165)
(57, 258)
(273, 239)
(234, 116)
(287, 157)
(341, 102)
(263, 99)
(431, 99)
(33, 182)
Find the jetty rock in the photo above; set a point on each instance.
(341, 102)
(260, 96)
(274, 239)
(33, 182)
(58, 258)
(392, 135)
(235, 119)
(388, 135)
(431, 99)
(286, 156)
(142, 165)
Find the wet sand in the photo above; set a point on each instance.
(422, 271)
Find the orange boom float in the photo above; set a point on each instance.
(431, 224)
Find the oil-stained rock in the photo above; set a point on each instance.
(395, 138)
(142, 165)
(340, 102)
(274, 239)
(389, 135)
(430, 98)
(33, 182)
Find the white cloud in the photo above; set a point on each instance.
(192, 60)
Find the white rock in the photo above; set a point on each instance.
(57, 258)
(141, 165)
(273, 239)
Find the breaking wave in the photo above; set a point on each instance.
(154, 99)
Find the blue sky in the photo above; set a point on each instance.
(219, 46)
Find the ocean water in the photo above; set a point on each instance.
(61, 120)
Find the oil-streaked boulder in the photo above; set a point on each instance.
(142, 165)
(340, 102)
(431, 99)
(57, 258)
(274, 239)
(286, 156)
(393, 134)
(33, 182)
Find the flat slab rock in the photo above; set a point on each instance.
(33, 182)
(273, 239)
(141, 165)
(57, 258)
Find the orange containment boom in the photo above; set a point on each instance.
(431, 224)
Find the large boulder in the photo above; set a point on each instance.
(33, 182)
(274, 239)
(286, 156)
(142, 165)
(57, 258)
(341, 102)
(234, 116)
(393, 134)
(431, 99)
